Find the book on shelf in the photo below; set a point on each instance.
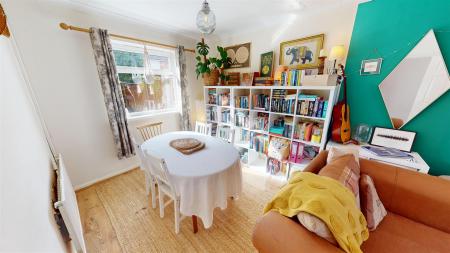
(263, 81)
(241, 119)
(283, 102)
(223, 99)
(308, 131)
(241, 102)
(311, 106)
(212, 96)
(211, 114)
(282, 127)
(226, 116)
(291, 77)
(259, 142)
(275, 167)
(261, 121)
(261, 102)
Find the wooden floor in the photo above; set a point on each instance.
(117, 217)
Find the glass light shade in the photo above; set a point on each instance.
(206, 20)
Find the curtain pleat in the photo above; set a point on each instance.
(185, 106)
(112, 92)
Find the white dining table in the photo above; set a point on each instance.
(205, 179)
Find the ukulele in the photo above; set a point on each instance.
(340, 129)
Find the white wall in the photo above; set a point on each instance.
(63, 73)
(336, 23)
(26, 213)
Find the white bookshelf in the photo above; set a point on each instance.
(258, 160)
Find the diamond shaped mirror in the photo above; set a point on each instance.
(417, 81)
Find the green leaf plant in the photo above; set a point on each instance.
(206, 65)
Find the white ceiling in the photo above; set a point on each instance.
(231, 15)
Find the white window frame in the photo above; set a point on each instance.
(154, 50)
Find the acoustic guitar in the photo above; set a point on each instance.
(340, 129)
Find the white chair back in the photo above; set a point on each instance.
(203, 128)
(150, 130)
(225, 133)
(158, 168)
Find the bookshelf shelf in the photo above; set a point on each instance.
(259, 110)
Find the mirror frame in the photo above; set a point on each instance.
(394, 125)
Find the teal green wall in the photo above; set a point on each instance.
(389, 25)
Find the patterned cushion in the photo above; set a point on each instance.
(336, 152)
(344, 169)
(372, 207)
(316, 225)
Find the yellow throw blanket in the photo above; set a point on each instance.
(328, 200)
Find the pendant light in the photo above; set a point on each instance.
(206, 20)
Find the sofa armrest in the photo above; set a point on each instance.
(276, 233)
(317, 163)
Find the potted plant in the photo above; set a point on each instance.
(209, 68)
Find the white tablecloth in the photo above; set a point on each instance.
(205, 179)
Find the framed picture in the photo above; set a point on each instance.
(392, 138)
(371, 67)
(266, 67)
(240, 55)
(247, 79)
(301, 53)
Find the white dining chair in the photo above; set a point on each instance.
(150, 130)
(165, 188)
(203, 128)
(150, 181)
(226, 133)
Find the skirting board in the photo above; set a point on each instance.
(108, 176)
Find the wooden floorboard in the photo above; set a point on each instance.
(117, 217)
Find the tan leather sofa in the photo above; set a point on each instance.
(418, 218)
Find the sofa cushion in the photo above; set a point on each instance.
(399, 234)
(345, 170)
(371, 205)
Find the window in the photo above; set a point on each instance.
(160, 92)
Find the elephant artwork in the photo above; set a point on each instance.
(300, 53)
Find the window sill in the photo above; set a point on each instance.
(132, 118)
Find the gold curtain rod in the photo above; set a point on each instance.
(65, 26)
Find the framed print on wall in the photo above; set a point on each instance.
(371, 67)
(302, 53)
(392, 138)
(266, 67)
(240, 55)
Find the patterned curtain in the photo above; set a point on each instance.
(112, 92)
(185, 107)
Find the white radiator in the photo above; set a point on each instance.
(67, 205)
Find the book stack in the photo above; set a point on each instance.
(308, 131)
(260, 122)
(212, 96)
(281, 102)
(282, 127)
(261, 102)
(259, 142)
(241, 119)
(263, 81)
(223, 99)
(290, 77)
(226, 116)
(244, 136)
(312, 106)
(211, 114)
(275, 167)
(241, 102)
(296, 155)
(234, 79)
